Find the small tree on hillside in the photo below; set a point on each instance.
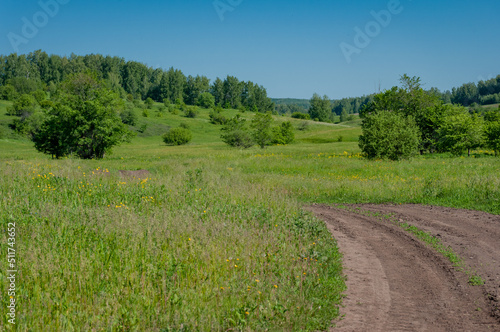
(283, 134)
(261, 125)
(389, 135)
(235, 133)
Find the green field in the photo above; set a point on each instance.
(214, 238)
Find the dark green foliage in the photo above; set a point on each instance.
(320, 108)
(129, 117)
(283, 134)
(8, 92)
(149, 103)
(206, 100)
(261, 129)
(24, 85)
(84, 121)
(177, 136)
(195, 88)
(389, 135)
(185, 125)
(217, 118)
(39, 96)
(191, 112)
(235, 133)
(350, 105)
(25, 104)
(299, 115)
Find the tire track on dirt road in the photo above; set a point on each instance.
(397, 283)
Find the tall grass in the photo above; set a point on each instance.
(193, 248)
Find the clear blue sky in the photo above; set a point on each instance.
(291, 47)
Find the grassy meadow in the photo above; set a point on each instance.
(213, 238)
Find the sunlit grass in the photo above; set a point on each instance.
(212, 238)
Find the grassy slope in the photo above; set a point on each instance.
(216, 237)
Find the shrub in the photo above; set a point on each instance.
(299, 115)
(185, 125)
(145, 113)
(177, 136)
(8, 92)
(142, 128)
(217, 118)
(283, 134)
(149, 103)
(24, 104)
(236, 134)
(190, 112)
(389, 135)
(129, 117)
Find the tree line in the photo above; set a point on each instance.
(407, 120)
(321, 108)
(25, 74)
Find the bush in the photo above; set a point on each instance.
(149, 103)
(8, 92)
(177, 136)
(185, 125)
(129, 117)
(206, 100)
(236, 134)
(217, 118)
(283, 134)
(299, 115)
(145, 113)
(389, 135)
(191, 112)
(25, 104)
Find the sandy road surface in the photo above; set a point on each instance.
(397, 283)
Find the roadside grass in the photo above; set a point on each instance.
(192, 247)
(215, 238)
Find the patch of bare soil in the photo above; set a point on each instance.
(397, 283)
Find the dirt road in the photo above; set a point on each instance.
(397, 283)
